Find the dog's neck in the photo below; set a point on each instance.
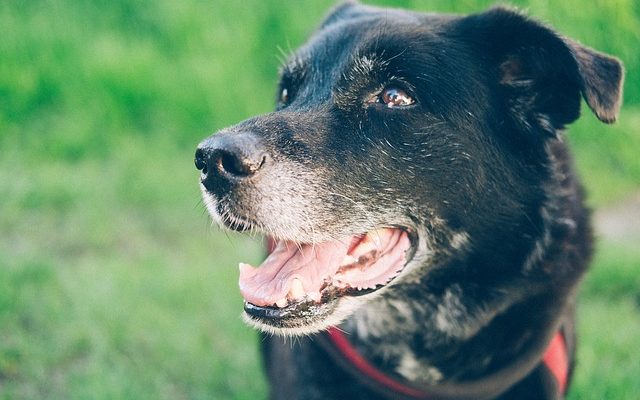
(380, 334)
(442, 339)
(423, 340)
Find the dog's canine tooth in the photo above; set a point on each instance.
(296, 291)
(246, 268)
(282, 302)
(348, 260)
(376, 235)
(370, 243)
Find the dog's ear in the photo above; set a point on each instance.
(602, 78)
(542, 73)
(345, 10)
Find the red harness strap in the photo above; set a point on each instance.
(555, 358)
(341, 342)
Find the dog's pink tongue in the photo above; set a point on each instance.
(311, 264)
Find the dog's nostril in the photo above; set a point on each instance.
(200, 161)
(237, 165)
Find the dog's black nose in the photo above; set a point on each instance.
(229, 156)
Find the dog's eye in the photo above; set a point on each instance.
(394, 97)
(284, 96)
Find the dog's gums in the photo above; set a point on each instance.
(301, 273)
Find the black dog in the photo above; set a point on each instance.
(417, 194)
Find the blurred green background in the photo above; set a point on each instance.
(114, 284)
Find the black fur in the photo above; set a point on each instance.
(476, 169)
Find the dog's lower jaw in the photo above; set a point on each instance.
(344, 308)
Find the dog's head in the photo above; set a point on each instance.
(399, 138)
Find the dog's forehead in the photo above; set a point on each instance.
(368, 33)
(331, 46)
(361, 41)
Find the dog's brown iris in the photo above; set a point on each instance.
(394, 97)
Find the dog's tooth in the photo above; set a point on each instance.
(364, 247)
(315, 296)
(376, 236)
(372, 241)
(296, 291)
(246, 269)
(348, 260)
(282, 303)
(379, 232)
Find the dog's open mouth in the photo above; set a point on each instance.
(299, 278)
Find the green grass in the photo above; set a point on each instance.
(113, 283)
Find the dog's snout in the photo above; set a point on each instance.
(230, 156)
